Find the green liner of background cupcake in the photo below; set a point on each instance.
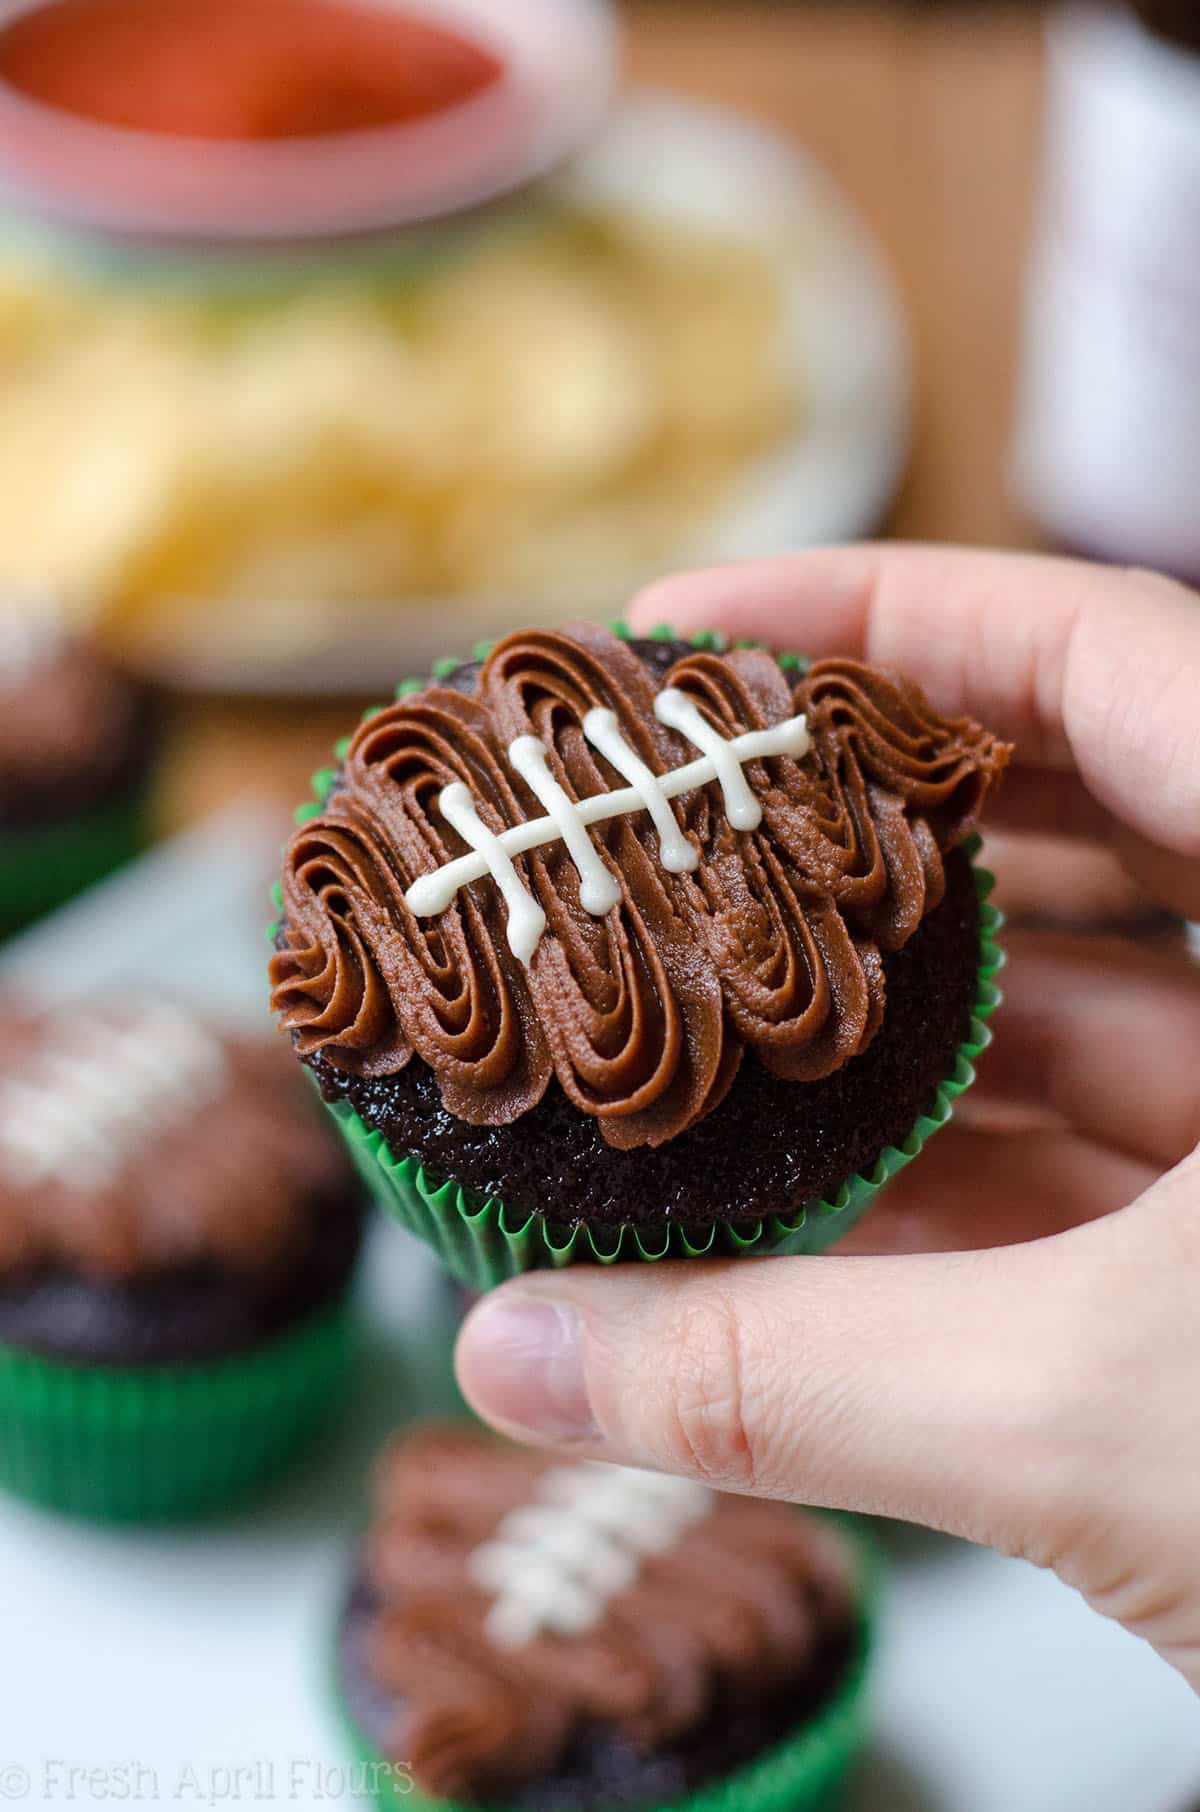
(170, 1441)
(80, 740)
(42, 866)
(521, 1631)
(178, 1235)
(548, 1189)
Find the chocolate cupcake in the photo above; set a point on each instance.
(178, 1234)
(77, 741)
(536, 1636)
(603, 948)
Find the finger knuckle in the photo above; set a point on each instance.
(713, 1422)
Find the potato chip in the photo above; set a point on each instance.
(544, 415)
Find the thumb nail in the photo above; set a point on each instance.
(520, 1365)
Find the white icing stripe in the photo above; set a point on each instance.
(679, 712)
(490, 854)
(603, 730)
(557, 1563)
(598, 889)
(526, 920)
(90, 1099)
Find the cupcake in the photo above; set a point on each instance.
(178, 1234)
(526, 1634)
(602, 948)
(77, 739)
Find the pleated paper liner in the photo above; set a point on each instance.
(43, 866)
(168, 1442)
(808, 1772)
(482, 1241)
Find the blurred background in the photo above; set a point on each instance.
(287, 404)
(332, 365)
(339, 335)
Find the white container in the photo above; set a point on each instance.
(1107, 452)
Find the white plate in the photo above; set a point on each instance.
(202, 1656)
(844, 344)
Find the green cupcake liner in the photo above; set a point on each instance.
(482, 1241)
(173, 1441)
(43, 866)
(809, 1772)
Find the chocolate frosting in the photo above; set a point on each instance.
(72, 729)
(772, 943)
(745, 1597)
(137, 1172)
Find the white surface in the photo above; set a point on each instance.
(205, 1653)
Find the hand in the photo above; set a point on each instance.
(1010, 1348)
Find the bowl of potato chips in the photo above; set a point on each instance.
(680, 348)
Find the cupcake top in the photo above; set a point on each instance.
(137, 1141)
(72, 727)
(519, 1605)
(622, 867)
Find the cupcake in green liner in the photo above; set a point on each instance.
(77, 744)
(609, 949)
(178, 1235)
(526, 1635)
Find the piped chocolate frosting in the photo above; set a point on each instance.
(73, 729)
(137, 1142)
(519, 1604)
(771, 941)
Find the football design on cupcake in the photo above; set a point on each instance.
(626, 934)
(527, 1633)
(177, 1238)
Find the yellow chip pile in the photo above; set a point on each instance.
(556, 405)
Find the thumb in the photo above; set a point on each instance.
(934, 1388)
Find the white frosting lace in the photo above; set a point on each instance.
(98, 1088)
(722, 760)
(556, 1564)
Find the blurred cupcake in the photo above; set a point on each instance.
(77, 739)
(613, 949)
(526, 1634)
(178, 1236)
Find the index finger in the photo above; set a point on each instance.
(1083, 667)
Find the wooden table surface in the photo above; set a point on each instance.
(928, 118)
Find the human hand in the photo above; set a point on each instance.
(1010, 1347)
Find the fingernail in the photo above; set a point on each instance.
(520, 1363)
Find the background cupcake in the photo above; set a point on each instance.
(708, 1013)
(177, 1240)
(77, 741)
(526, 1634)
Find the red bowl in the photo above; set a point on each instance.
(558, 61)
